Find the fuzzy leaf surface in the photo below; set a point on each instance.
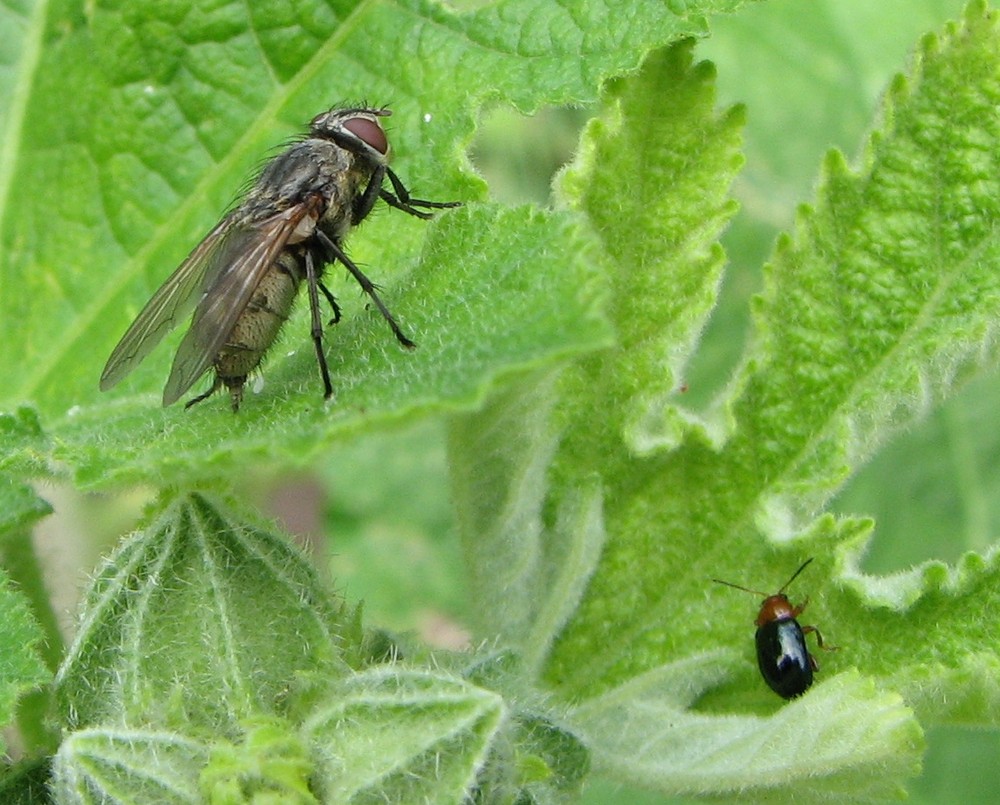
(859, 744)
(21, 664)
(141, 123)
(101, 765)
(879, 305)
(402, 736)
(22, 640)
(883, 300)
(199, 618)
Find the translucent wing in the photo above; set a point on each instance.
(171, 303)
(246, 253)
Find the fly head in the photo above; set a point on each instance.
(356, 130)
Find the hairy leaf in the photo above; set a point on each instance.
(132, 129)
(199, 618)
(880, 305)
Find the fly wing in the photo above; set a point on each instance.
(171, 303)
(246, 253)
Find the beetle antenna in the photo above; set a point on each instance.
(745, 589)
(796, 573)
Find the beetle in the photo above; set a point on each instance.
(782, 655)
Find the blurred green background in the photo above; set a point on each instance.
(811, 75)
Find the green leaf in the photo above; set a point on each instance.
(487, 303)
(271, 765)
(525, 587)
(402, 736)
(30, 640)
(502, 456)
(20, 507)
(676, 159)
(844, 742)
(391, 733)
(26, 448)
(816, 90)
(21, 665)
(884, 299)
(880, 305)
(102, 765)
(141, 122)
(200, 618)
(538, 759)
(24, 644)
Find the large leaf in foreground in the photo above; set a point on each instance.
(882, 302)
(133, 127)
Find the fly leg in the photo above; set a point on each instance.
(312, 282)
(332, 300)
(366, 285)
(403, 201)
(216, 385)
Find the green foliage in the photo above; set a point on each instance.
(24, 658)
(871, 313)
(594, 503)
(244, 584)
(21, 668)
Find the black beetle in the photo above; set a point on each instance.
(782, 656)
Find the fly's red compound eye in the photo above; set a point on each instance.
(369, 132)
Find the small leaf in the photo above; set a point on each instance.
(401, 736)
(21, 666)
(102, 765)
(270, 765)
(20, 507)
(200, 618)
(31, 644)
(653, 177)
(538, 759)
(25, 447)
(22, 640)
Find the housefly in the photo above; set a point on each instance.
(242, 279)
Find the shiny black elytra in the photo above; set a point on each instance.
(782, 656)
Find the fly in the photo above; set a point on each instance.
(242, 279)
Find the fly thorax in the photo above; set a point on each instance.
(342, 194)
(304, 230)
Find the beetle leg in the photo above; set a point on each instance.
(796, 611)
(819, 638)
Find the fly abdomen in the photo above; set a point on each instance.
(258, 326)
